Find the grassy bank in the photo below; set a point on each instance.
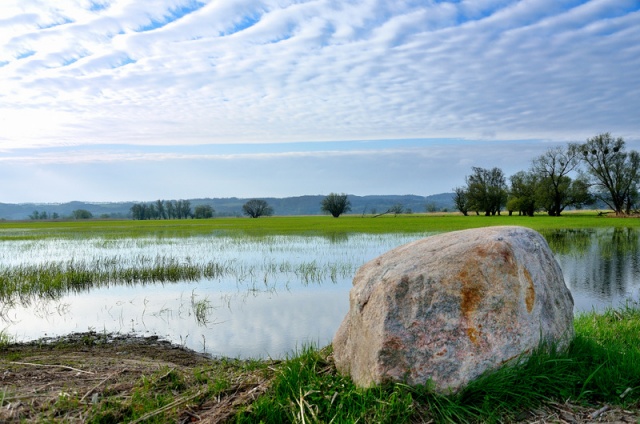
(602, 367)
(100, 381)
(301, 225)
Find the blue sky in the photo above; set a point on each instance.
(109, 100)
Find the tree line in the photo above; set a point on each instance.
(170, 209)
(335, 204)
(603, 171)
(75, 214)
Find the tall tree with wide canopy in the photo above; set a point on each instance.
(614, 172)
(556, 190)
(522, 194)
(486, 190)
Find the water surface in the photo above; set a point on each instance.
(278, 292)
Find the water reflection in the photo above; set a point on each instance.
(247, 324)
(601, 267)
(276, 294)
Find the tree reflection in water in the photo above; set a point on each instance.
(601, 266)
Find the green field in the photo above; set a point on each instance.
(300, 225)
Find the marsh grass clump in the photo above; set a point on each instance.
(50, 280)
(5, 339)
(201, 309)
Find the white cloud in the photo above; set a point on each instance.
(180, 72)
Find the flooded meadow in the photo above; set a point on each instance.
(244, 296)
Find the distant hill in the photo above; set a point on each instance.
(232, 206)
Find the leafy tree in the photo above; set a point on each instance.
(486, 190)
(183, 209)
(461, 200)
(522, 195)
(170, 209)
(81, 214)
(614, 172)
(137, 211)
(160, 208)
(556, 190)
(335, 204)
(143, 211)
(255, 208)
(555, 196)
(203, 212)
(151, 211)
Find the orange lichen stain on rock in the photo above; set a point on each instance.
(505, 253)
(481, 251)
(495, 250)
(472, 295)
(530, 297)
(473, 335)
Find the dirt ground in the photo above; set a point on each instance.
(37, 377)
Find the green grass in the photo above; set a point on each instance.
(300, 225)
(601, 364)
(5, 339)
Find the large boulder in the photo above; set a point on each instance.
(449, 307)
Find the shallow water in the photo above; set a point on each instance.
(282, 292)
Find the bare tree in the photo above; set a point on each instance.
(396, 209)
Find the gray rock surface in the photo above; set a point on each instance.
(449, 307)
